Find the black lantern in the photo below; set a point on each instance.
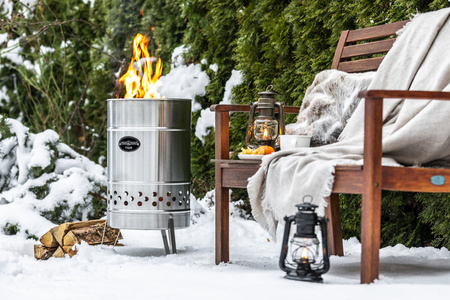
(264, 128)
(305, 263)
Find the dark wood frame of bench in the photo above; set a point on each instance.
(367, 180)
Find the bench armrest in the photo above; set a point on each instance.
(404, 94)
(373, 127)
(246, 108)
(230, 107)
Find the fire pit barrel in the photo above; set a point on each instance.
(148, 163)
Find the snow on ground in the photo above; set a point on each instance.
(141, 270)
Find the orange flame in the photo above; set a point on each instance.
(266, 134)
(138, 80)
(305, 253)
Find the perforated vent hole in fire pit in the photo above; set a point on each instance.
(126, 198)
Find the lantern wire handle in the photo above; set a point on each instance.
(307, 197)
(269, 88)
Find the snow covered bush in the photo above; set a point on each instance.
(38, 173)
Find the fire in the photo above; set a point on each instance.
(305, 253)
(139, 79)
(266, 134)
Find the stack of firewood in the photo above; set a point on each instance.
(60, 240)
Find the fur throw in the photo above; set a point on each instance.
(328, 103)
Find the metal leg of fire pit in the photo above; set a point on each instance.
(171, 237)
(103, 235)
(117, 238)
(172, 234)
(166, 244)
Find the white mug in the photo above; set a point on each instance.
(288, 141)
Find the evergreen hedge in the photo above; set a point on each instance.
(282, 43)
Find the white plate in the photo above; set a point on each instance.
(250, 156)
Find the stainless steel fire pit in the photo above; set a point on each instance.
(148, 163)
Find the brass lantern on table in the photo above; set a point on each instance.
(264, 129)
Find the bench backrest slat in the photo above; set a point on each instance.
(355, 49)
(371, 48)
(361, 65)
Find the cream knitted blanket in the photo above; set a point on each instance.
(414, 132)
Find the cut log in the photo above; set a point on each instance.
(91, 235)
(59, 252)
(69, 250)
(75, 225)
(42, 252)
(59, 240)
(70, 239)
(60, 231)
(48, 240)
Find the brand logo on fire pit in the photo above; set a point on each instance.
(129, 143)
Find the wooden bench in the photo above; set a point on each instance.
(367, 180)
